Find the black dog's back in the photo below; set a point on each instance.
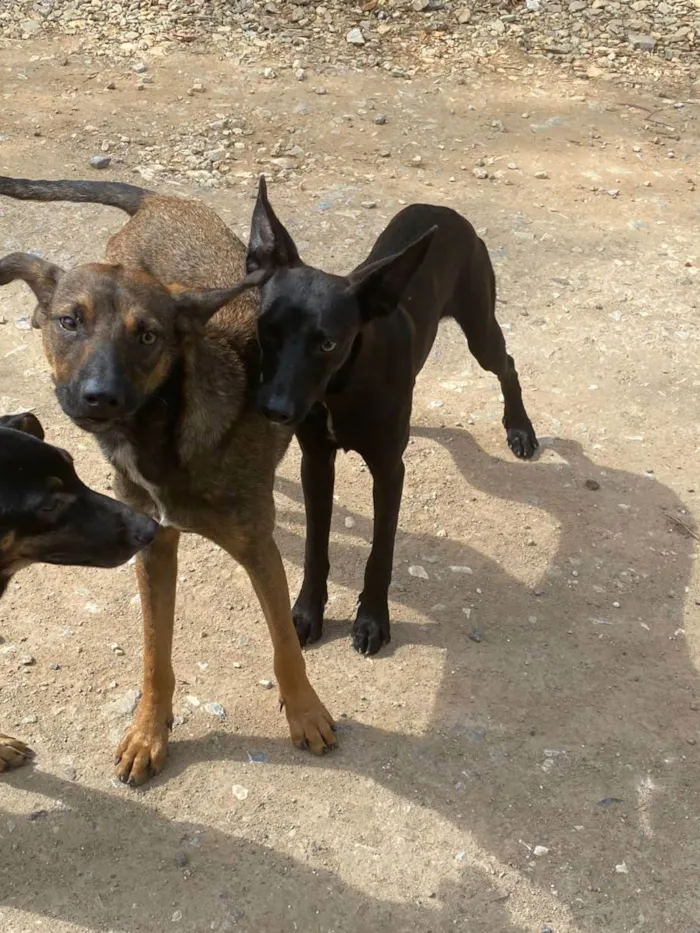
(456, 278)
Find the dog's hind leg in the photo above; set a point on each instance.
(143, 749)
(474, 309)
(318, 479)
(310, 724)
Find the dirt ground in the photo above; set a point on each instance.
(542, 688)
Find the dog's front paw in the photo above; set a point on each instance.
(13, 753)
(308, 623)
(370, 632)
(523, 441)
(310, 724)
(143, 750)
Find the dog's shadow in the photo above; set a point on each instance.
(113, 863)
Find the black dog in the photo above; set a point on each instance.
(340, 355)
(47, 515)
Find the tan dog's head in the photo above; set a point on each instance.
(112, 335)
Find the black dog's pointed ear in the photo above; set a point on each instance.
(378, 286)
(26, 422)
(41, 276)
(270, 246)
(195, 308)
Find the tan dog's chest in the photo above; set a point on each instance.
(123, 457)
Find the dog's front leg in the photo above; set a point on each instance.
(371, 628)
(143, 749)
(310, 723)
(318, 479)
(13, 753)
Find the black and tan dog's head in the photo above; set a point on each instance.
(111, 334)
(47, 515)
(310, 320)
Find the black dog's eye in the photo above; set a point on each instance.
(148, 338)
(327, 346)
(68, 323)
(50, 506)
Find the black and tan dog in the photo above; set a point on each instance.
(48, 516)
(340, 356)
(142, 360)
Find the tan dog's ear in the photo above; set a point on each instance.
(195, 308)
(26, 422)
(41, 276)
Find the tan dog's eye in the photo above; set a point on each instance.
(68, 323)
(147, 338)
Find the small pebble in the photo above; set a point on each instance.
(349, 521)
(267, 684)
(100, 161)
(215, 709)
(540, 850)
(380, 119)
(27, 661)
(541, 174)
(355, 37)
(369, 205)
(239, 792)
(592, 484)
(416, 570)
(182, 859)
(476, 635)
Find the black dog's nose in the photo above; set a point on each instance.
(144, 530)
(103, 399)
(279, 411)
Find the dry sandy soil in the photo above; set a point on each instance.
(573, 724)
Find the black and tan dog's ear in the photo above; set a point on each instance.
(26, 422)
(41, 276)
(378, 286)
(270, 246)
(195, 308)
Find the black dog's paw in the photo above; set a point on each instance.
(308, 624)
(523, 441)
(370, 633)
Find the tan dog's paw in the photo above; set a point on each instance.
(310, 724)
(143, 750)
(13, 753)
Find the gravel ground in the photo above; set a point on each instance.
(621, 39)
(524, 758)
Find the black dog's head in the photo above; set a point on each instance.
(47, 515)
(111, 334)
(310, 320)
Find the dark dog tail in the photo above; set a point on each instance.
(128, 198)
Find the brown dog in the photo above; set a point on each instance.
(142, 360)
